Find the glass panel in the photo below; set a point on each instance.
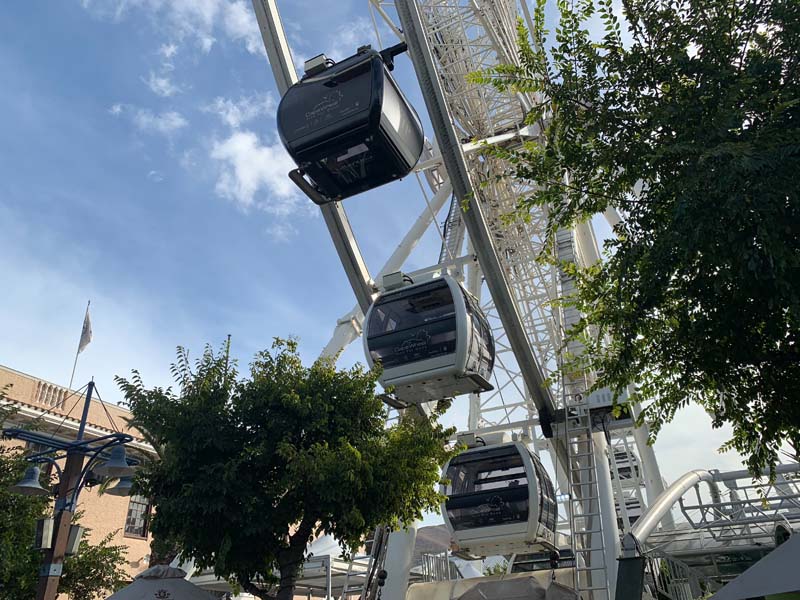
(481, 331)
(410, 345)
(136, 522)
(488, 339)
(416, 307)
(487, 488)
(548, 508)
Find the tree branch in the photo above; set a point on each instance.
(252, 589)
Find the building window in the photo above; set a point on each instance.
(36, 448)
(136, 523)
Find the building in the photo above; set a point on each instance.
(58, 412)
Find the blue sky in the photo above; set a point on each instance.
(140, 169)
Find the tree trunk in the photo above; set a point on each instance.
(290, 561)
(252, 589)
(162, 553)
(288, 583)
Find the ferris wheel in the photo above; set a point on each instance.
(479, 321)
(548, 471)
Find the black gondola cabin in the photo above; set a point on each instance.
(349, 128)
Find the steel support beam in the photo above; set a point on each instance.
(348, 328)
(275, 43)
(344, 240)
(455, 164)
(280, 59)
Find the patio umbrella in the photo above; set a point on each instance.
(161, 583)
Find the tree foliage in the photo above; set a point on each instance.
(95, 570)
(696, 103)
(252, 468)
(498, 568)
(19, 562)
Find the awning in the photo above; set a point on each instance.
(777, 573)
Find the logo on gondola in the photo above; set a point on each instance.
(495, 502)
(328, 102)
(415, 345)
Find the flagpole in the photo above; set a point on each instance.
(75, 364)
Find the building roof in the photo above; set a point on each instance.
(61, 407)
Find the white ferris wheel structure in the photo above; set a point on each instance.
(612, 500)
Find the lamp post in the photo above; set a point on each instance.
(106, 457)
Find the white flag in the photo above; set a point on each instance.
(86, 332)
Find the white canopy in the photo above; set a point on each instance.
(161, 583)
(777, 573)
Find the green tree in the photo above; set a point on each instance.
(19, 562)
(498, 568)
(95, 570)
(696, 103)
(253, 468)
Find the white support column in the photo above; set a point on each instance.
(608, 513)
(651, 473)
(275, 43)
(474, 280)
(283, 70)
(612, 216)
(399, 560)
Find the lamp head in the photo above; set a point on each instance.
(123, 487)
(116, 466)
(29, 485)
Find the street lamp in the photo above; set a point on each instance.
(30, 486)
(116, 466)
(106, 457)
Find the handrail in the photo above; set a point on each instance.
(647, 523)
(633, 541)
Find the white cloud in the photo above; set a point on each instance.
(188, 159)
(281, 231)
(347, 38)
(155, 176)
(165, 123)
(240, 23)
(168, 50)
(237, 112)
(161, 85)
(206, 42)
(254, 175)
(201, 20)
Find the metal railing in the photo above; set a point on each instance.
(437, 567)
(668, 577)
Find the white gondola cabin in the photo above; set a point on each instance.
(432, 339)
(500, 500)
